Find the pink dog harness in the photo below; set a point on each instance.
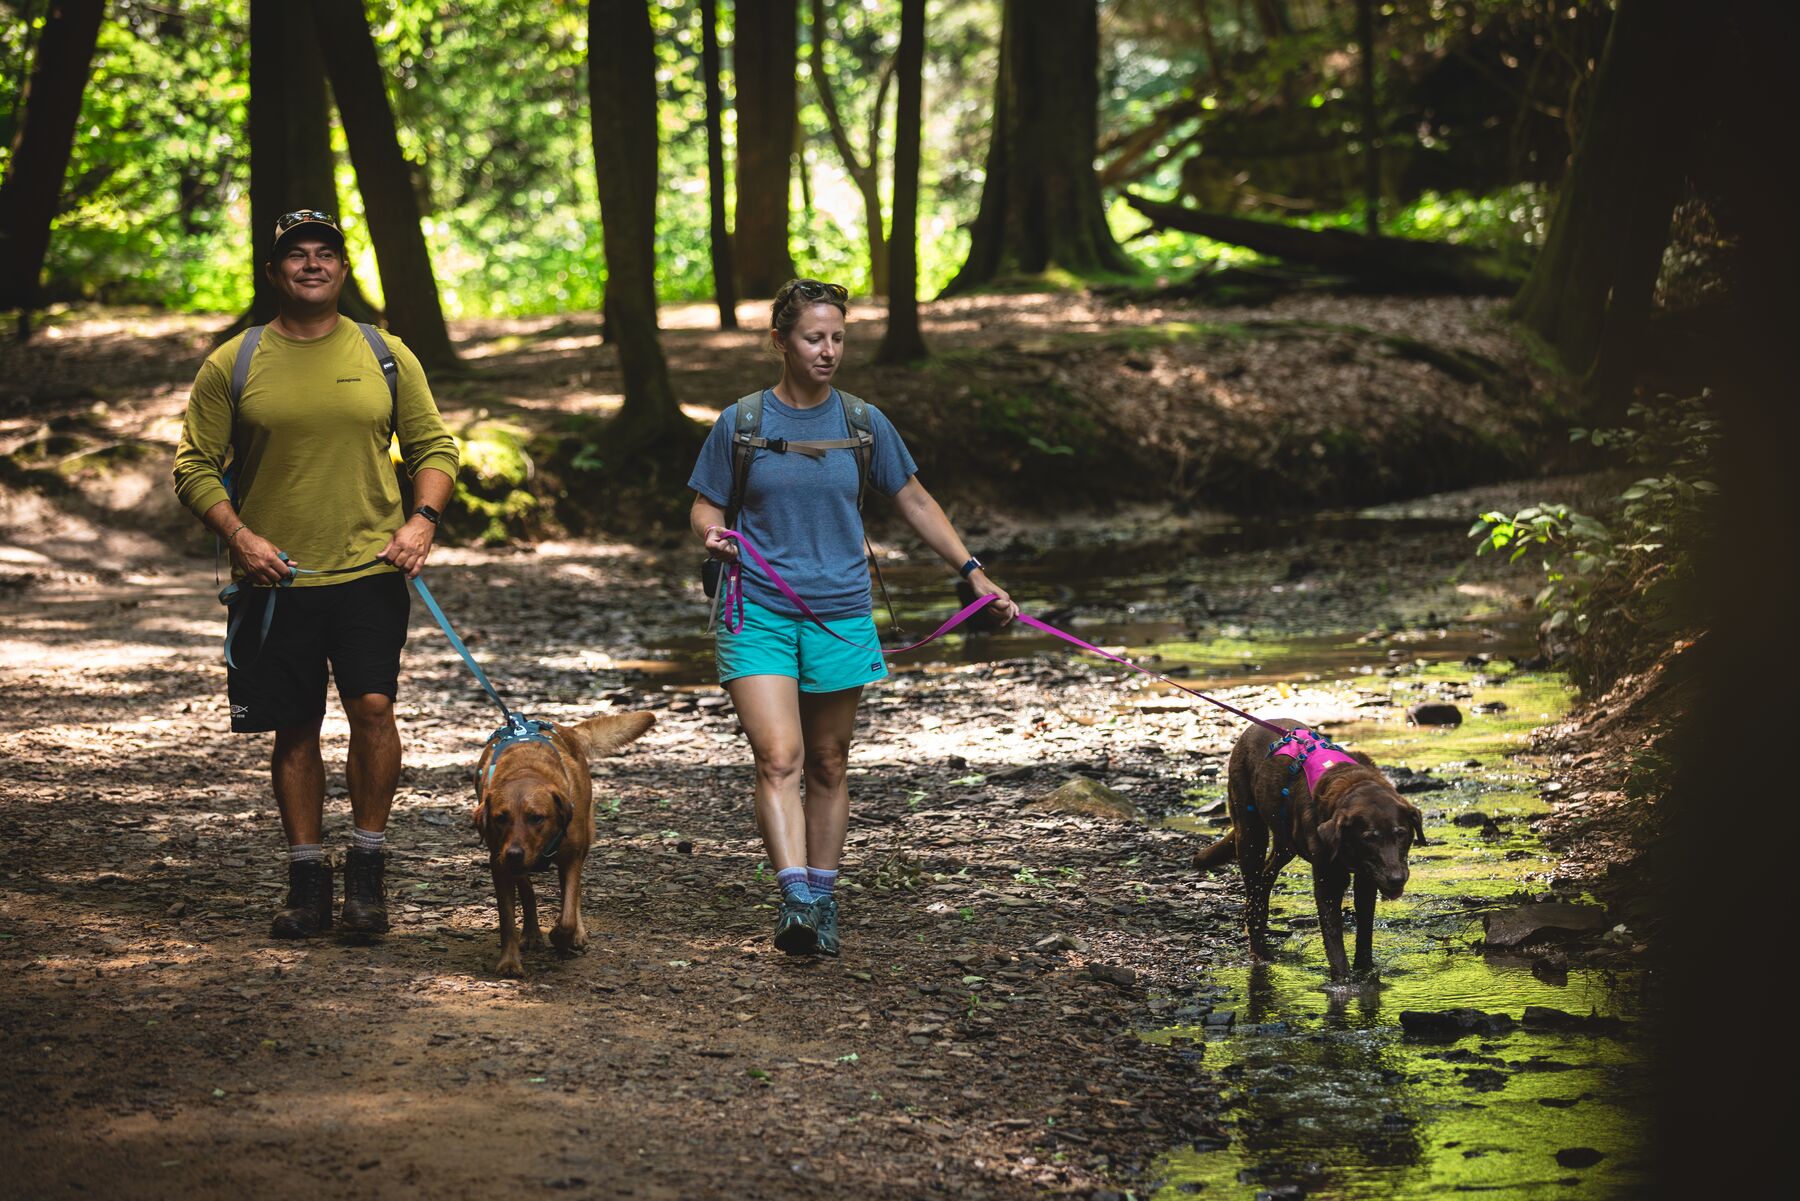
(1309, 750)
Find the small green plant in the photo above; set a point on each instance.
(1616, 590)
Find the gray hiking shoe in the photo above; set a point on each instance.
(795, 931)
(825, 921)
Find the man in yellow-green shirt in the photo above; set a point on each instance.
(314, 507)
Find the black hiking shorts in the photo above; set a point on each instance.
(357, 628)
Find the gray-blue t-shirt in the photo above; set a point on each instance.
(800, 512)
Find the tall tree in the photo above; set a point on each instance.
(724, 274)
(903, 342)
(385, 179)
(763, 50)
(1589, 292)
(291, 164)
(865, 175)
(40, 149)
(622, 105)
(1371, 133)
(1040, 203)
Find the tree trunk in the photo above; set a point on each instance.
(1371, 133)
(866, 176)
(385, 179)
(291, 165)
(763, 62)
(622, 104)
(724, 274)
(1589, 292)
(50, 109)
(1397, 264)
(1040, 203)
(903, 342)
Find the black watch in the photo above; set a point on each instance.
(973, 565)
(428, 513)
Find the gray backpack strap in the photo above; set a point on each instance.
(390, 369)
(862, 428)
(240, 375)
(240, 367)
(745, 434)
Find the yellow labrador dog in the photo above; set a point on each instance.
(535, 808)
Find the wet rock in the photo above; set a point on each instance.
(1406, 780)
(1484, 1080)
(1434, 713)
(1471, 818)
(1060, 942)
(1112, 974)
(1490, 707)
(1088, 798)
(1023, 771)
(1579, 1157)
(1453, 1023)
(1221, 1019)
(1542, 1017)
(1556, 919)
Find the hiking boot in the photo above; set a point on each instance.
(308, 910)
(825, 917)
(365, 897)
(795, 932)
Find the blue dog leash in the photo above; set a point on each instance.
(516, 729)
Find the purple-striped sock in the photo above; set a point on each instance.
(793, 885)
(821, 882)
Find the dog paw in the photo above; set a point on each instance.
(534, 939)
(569, 941)
(510, 966)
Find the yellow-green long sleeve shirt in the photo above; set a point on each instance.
(309, 442)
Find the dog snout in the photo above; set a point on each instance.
(1393, 885)
(515, 856)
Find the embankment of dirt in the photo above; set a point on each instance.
(1031, 405)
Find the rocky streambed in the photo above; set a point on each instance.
(1036, 996)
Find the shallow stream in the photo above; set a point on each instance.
(1325, 1095)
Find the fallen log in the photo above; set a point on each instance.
(1390, 264)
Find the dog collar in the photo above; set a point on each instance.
(1311, 752)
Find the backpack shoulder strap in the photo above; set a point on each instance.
(862, 428)
(746, 429)
(240, 367)
(390, 369)
(240, 375)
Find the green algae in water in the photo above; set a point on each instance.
(1323, 1089)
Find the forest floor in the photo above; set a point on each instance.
(980, 1037)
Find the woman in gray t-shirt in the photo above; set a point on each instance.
(796, 686)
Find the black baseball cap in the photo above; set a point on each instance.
(305, 223)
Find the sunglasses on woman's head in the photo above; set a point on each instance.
(813, 289)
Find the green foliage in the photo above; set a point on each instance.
(1615, 592)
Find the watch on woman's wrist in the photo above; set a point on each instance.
(969, 568)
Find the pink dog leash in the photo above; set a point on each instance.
(732, 598)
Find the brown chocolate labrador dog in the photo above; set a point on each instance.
(1330, 807)
(535, 808)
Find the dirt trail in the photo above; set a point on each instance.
(157, 1044)
(978, 1039)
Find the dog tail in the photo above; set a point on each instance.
(1217, 854)
(610, 733)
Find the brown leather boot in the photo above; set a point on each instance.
(308, 909)
(365, 893)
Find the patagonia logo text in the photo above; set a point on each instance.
(351, 379)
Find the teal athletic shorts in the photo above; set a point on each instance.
(773, 644)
